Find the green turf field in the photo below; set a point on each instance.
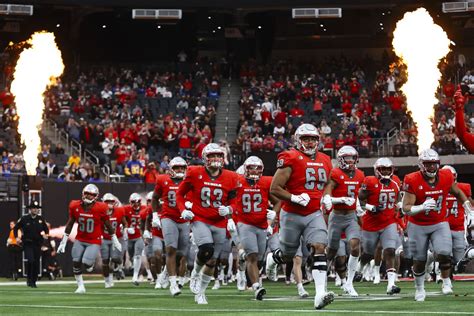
(281, 299)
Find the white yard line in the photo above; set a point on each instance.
(217, 310)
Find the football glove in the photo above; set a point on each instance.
(302, 199)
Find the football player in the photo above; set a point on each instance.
(456, 219)
(424, 201)
(175, 229)
(252, 216)
(91, 216)
(379, 195)
(341, 192)
(107, 251)
(134, 213)
(213, 189)
(299, 182)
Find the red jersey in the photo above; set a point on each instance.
(166, 188)
(385, 198)
(250, 206)
(115, 220)
(456, 210)
(89, 222)
(208, 194)
(416, 184)
(347, 186)
(144, 214)
(133, 219)
(307, 176)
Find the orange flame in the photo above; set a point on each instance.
(36, 69)
(421, 44)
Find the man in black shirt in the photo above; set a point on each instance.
(34, 231)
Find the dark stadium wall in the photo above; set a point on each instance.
(9, 211)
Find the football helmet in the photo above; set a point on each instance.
(149, 197)
(453, 171)
(428, 162)
(135, 200)
(90, 193)
(177, 162)
(383, 168)
(217, 161)
(347, 157)
(240, 170)
(308, 147)
(253, 168)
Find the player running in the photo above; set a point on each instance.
(299, 182)
(424, 201)
(90, 216)
(213, 189)
(379, 195)
(344, 184)
(175, 229)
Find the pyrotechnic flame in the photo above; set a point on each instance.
(421, 44)
(37, 68)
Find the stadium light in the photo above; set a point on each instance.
(157, 14)
(309, 13)
(16, 9)
(458, 6)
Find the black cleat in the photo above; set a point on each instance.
(358, 276)
(394, 290)
(260, 293)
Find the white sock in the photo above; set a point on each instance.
(79, 280)
(148, 273)
(137, 263)
(360, 267)
(391, 276)
(299, 286)
(376, 270)
(255, 286)
(351, 268)
(197, 268)
(319, 273)
(181, 280)
(205, 279)
(420, 282)
(241, 274)
(172, 279)
(447, 282)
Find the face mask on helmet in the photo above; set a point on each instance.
(348, 162)
(384, 172)
(178, 172)
(429, 168)
(214, 160)
(90, 194)
(307, 144)
(253, 172)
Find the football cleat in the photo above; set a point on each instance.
(271, 268)
(393, 290)
(349, 289)
(358, 277)
(175, 290)
(158, 285)
(337, 280)
(200, 298)
(376, 278)
(302, 293)
(447, 289)
(320, 301)
(217, 285)
(420, 295)
(80, 290)
(259, 293)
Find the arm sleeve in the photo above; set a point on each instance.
(184, 187)
(461, 131)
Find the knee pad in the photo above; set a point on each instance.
(278, 256)
(205, 252)
(76, 270)
(320, 262)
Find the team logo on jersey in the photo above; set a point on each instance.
(300, 157)
(280, 163)
(166, 182)
(376, 186)
(342, 177)
(199, 177)
(420, 187)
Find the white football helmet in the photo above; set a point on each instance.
(380, 165)
(347, 157)
(308, 130)
(453, 171)
(213, 162)
(135, 200)
(253, 168)
(429, 156)
(149, 196)
(90, 193)
(240, 170)
(177, 162)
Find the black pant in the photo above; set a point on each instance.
(32, 255)
(15, 260)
